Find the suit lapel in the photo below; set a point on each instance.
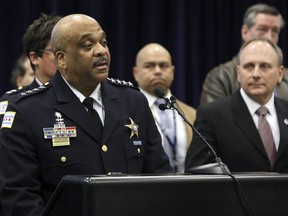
(113, 109)
(191, 119)
(70, 106)
(282, 115)
(244, 121)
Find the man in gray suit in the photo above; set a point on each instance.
(230, 125)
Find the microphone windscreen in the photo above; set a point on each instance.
(162, 106)
(159, 93)
(172, 98)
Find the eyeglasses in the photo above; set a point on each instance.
(46, 50)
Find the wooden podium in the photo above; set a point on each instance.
(171, 195)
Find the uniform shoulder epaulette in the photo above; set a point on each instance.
(14, 91)
(121, 83)
(29, 92)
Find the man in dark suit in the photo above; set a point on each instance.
(39, 146)
(230, 125)
(260, 20)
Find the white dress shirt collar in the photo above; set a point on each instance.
(151, 98)
(96, 94)
(253, 106)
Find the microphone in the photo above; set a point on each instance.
(214, 168)
(162, 107)
(167, 103)
(218, 167)
(159, 93)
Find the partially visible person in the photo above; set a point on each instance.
(84, 124)
(154, 69)
(233, 125)
(22, 73)
(259, 20)
(36, 42)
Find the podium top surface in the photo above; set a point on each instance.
(263, 176)
(170, 194)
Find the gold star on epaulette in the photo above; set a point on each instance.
(133, 127)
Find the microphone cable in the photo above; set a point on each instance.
(242, 197)
(172, 104)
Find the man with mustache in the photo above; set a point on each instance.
(85, 123)
(154, 69)
(233, 126)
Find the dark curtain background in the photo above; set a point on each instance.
(200, 34)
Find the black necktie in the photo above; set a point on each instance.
(88, 103)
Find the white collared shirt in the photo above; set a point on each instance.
(271, 116)
(181, 137)
(96, 95)
(38, 81)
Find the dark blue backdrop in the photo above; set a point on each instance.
(199, 33)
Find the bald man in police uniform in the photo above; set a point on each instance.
(39, 146)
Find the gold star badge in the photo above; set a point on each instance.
(133, 127)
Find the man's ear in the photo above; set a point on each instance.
(281, 74)
(135, 73)
(245, 32)
(34, 58)
(238, 72)
(60, 59)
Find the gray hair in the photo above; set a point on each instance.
(252, 11)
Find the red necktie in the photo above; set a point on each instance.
(266, 134)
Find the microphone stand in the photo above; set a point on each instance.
(218, 167)
(213, 168)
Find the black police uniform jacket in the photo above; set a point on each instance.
(31, 167)
(14, 94)
(11, 96)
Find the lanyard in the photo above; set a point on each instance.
(172, 143)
